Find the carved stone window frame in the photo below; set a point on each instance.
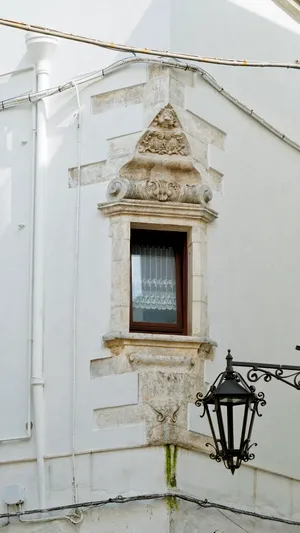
(142, 214)
(160, 189)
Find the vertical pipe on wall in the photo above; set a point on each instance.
(41, 49)
(75, 291)
(30, 309)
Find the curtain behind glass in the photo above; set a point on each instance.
(154, 281)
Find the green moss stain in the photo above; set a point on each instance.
(170, 471)
(172, 503)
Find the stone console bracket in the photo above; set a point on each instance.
(170, 371)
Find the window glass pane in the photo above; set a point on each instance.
(153, 284)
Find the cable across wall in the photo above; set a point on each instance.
(97, 75)
(205, 504)
(146, 51)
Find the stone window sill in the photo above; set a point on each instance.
(159, 349)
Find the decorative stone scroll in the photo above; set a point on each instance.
(158, 189)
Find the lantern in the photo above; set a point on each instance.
(231, 405)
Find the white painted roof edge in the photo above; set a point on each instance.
(291, 7)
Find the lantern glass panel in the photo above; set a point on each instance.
(231, 426)
(233, 416)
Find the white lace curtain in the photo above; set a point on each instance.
(153, 277)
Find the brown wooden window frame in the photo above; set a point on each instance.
(178, 241)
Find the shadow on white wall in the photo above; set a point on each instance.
(269, 10)
(5, 199)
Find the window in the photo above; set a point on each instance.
(158, 281)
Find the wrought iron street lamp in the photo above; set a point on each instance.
(231, 405)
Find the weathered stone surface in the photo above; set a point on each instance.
(176, 91)
(123, 146)
(158, 344)
(109, 365)
(120, 97)
(167, 215)
(89, 174)
(161, 190)
(200, 128)
(163, 152)
(156, 93)
(170, 370)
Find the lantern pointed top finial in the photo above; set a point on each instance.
(229, 359)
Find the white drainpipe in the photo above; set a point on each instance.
(41, 49)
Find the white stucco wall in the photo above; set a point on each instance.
(251, 282)
(253, 256)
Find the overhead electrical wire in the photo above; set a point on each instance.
(96, 75)
(146, 51)
(75, 519)
(233, 521)
(205, 504)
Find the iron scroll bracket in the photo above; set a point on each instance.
(288, 374)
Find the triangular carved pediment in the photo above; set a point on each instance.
(164, 136)
(162, 166)
(162, 149)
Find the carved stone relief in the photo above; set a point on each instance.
(161, 190)
(163, 154)
(164, 136)
(163, 143)
(162, 167)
